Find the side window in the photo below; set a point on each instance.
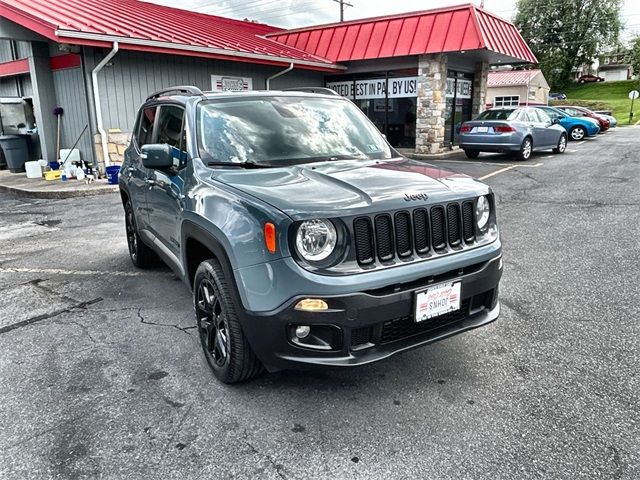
(145, 128)
(170, 127)
(543, 116)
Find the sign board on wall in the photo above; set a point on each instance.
(400, 87)
(224, 83)
(464, 88)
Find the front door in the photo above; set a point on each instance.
(165, 194)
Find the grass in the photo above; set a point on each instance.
(612, 96)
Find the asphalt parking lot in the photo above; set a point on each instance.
(101, 374)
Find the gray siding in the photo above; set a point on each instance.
(71, 96)
(27, 88)
(5, 51)
(8, 87)
(133, 76)
(23, 50)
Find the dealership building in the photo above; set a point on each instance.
(415, 75)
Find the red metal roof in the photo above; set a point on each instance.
(145, 26)
(511, 77)
(452, 29)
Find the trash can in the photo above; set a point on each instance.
(16, 152)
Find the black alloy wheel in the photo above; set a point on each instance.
(223, 342)
(141, 255)
(212, 324)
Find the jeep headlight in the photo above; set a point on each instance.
(316, 239)
(483, 209)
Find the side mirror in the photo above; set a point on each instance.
(157, 156)
(555, 121)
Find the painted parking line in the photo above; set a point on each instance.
(470, 162)
(60, 271)
(506, 169)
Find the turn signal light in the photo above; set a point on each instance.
(311, 305)
(270, 237)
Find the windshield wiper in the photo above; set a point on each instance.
(247, 164)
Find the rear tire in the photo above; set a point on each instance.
(562, 144)
(577, 133)
(525, 150)
(225, 347)
(141, 255)
(471, 153)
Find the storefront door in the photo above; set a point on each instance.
(458, 104)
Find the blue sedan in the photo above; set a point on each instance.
(576, 127)
(512, 130)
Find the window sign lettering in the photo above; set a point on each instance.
(464, 88)
(401, 87)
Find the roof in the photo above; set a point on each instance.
(452, 29)
(510, 78)
(142, 26)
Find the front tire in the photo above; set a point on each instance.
(562, 144)
(225, 347)
(471, 153)
(525, 150)
(577, 133)
(141, 255)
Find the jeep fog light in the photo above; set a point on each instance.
(302, 331)
(316, 239)
(311, 305)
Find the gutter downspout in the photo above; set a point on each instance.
(286, 70)
(96, 101)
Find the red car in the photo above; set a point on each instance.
(590, 79)
(585, 112)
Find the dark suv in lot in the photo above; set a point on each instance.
(306, 239)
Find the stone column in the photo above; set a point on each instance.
(480, 88)
(432, 77)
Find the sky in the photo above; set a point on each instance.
(299, 13)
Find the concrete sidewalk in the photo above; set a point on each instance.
(18, 184)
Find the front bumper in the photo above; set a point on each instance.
(372, 325)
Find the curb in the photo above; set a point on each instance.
(56, 194)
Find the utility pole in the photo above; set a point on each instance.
(342, 5)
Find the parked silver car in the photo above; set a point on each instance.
(518, 130)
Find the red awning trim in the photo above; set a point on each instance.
(141, 25)
(453, 29)
(63, 62)
(15, 67)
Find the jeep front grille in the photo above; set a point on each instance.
(421, 232)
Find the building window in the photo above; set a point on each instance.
(512, 101)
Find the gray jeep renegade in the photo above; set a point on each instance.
(307, 240)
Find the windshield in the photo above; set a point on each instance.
(498, 115)
(286, 130)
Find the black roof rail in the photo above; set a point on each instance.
(180, 90)
(323, 90)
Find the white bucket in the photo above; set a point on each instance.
(34, 170)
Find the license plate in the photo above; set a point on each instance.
(483, 129)
(437, 300)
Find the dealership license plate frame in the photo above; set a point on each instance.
(452, 306)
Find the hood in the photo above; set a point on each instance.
(351, 187)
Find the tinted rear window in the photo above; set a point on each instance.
(498, 115)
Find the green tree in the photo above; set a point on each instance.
(566, 34)
(635, 55)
